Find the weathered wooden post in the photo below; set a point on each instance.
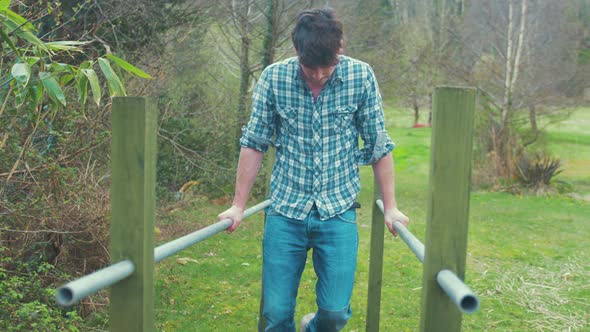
(375, 264)
(448, 211)
(133, 181)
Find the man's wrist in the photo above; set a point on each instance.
(390, 206)
(239, 205)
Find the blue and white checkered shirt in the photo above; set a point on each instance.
(317, 146)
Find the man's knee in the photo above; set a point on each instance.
(328, 320)
(277, 319)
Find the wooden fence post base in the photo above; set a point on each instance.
(133, 182)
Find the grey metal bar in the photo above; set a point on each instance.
(415, 245)
(458, 292)
(78, 289)
(456, 289)
(172, 247)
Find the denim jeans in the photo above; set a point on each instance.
(285, 246)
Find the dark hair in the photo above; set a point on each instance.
(317, 37)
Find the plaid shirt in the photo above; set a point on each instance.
(317, 146)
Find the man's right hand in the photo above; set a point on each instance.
(235, 213)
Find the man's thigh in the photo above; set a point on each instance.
(335, 249)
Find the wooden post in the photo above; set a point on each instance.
(448, 211)
(133, 182)
(375, 265)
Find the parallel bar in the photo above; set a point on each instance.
(72, 292)
(413, 243)
(172, 247)
(457, 291)
(375, 266)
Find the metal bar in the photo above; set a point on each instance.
(458, 292)
(174, 246)
(72, 292)
(78, 289)
(456, 289)
(415, 245)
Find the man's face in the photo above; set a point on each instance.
(317, 76)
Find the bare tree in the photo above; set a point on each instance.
(516, 52)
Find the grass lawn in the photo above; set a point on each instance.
(528, 256)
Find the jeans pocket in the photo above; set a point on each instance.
(348, 216)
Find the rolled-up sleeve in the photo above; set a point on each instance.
(258, 134)
(371, 125)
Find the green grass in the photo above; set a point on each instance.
(528, 257)
(570, 141)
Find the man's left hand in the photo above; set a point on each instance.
(393, 215)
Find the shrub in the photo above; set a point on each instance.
(536, 172)
(28, 305)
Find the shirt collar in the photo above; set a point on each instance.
(336, 77)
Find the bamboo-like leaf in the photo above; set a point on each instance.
(66, 45)
(65, 79)
(52, 87)
(21, 95)
(115, 86)
(57, 67)
(85, 65)
(94, 85)
(36, 94)
(82, 87)
(22, 28)
(128, 67)
(8, 41)
(4, 4)
(21, 73)
(32, 60)
(16, 18)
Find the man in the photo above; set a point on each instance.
(313, 108)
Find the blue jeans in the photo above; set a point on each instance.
(285, 245)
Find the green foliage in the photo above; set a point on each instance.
(36, 72)
(53, 157)
(27, 304)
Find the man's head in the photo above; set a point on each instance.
(317, 38)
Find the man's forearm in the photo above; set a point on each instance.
(248, 167)
(385, 177)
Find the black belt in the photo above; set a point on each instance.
(355, 205)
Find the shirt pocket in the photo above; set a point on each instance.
(288, 120)
(342, 119)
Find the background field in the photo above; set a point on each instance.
(528, 256)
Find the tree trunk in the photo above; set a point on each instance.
(270, 39)
(270, 42)
(506, 142)
(416, 113)
(508, 69)
(533, 119)
(241, 12)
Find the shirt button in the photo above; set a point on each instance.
(346, 117)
